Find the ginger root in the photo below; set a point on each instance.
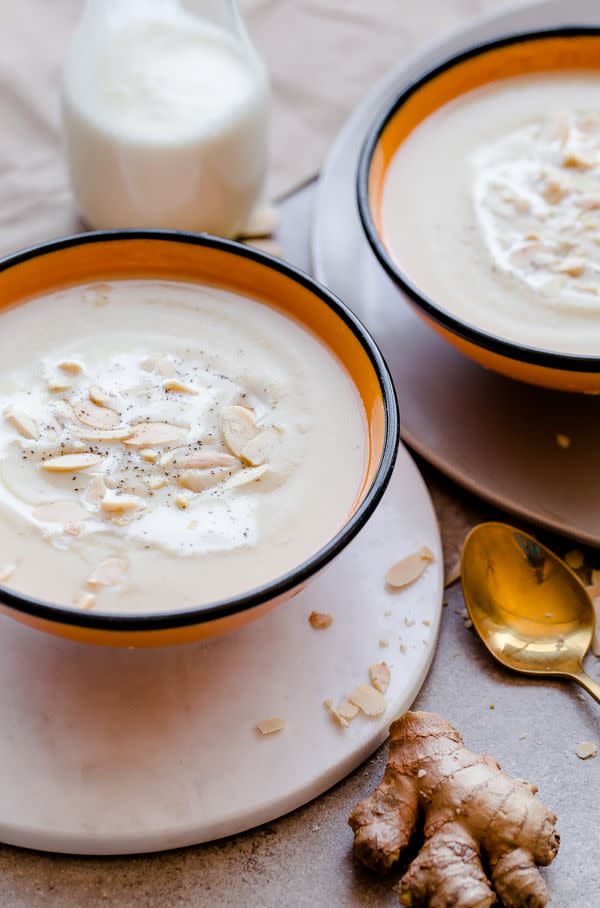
(471, 812)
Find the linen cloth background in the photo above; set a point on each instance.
(323, 55)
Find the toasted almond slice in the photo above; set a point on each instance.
(6, 572)
(206, 460)
(71, 366)
(110, 572)
(262, 222)
(258, 450)
(155, 434)
(103, 434)
(86, 601)
(182, 501)
(98, 417)
(114, 503)
(149, 455)
(60, 512)
(320, 620)
(269, 726)
(58, 385)
(426, 553)
(586, 749)
(98, 396)
(24, 424)
(348, 710)
(155, 483)
(239, 428)
(408, 569)
(200, 480)
(245, 477)
(335, 714)
(371, 702)
(70, 463)
(380, 676)
(173, 384)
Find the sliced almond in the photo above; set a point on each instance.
(155, 483)
(380, 676)
(96, 490)
(239, 428)
(260, 448)
(90, 414)
(98, 396)
(245, 477)
(206, 460)
(6, 572)
(586, 749)
(182, 502)
(335, 714)
(114, 503)
(371, 702)
(159, 363)
(103, 434)
(58, 385)
(24, 424)
(150, 455)
(408, 569)
(320, 620)
(110, 572)
(70, 463)
(59, 512)
(155, 434)
(270, 726)
(70, 366)
(348, 710)
(86, 601)
(200, 480)
(173, 384)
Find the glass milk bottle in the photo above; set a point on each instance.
(166, 115)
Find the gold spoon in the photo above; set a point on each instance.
(529, 608)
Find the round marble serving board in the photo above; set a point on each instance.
(108, 751)
(493, 435)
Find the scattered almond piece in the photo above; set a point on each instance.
(348, 710)
(408, 569)
(154, 434)
(98, 396)
(70, 463)
(384, 644)
(111, 572)
(328, 704)
(155, 483)
(159, 363)
(370, 701)
(96, 490)
(238, 427)
(269, 726)
(6, 572)
(246, 476)
(107, 435)
(586, 749)
(113, 503)
(71, 367)
(59, 512)
(24, 424)
(182, 502)
(90, 414)
(320, 620)
(574, 559)
(149, 455)
(380, 676)
(258, 450)
(86, 601)
(563, 441)
(173, 384)
(203, 460)
(57, 385)
(201, 480)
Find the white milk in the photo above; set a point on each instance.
(165, 116)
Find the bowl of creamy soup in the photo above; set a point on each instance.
(189, 431)
(479, 191)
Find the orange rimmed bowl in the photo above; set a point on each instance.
(167, 255)
(551, 50)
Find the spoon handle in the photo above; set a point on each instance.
(589, 684)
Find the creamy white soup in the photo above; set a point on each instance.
(492, 208)
(164, 445)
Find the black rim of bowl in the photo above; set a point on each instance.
(510, 349)
(148, 621)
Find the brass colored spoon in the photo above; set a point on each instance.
(529, 608)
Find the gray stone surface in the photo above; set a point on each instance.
(304, 859)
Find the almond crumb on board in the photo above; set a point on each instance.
(563, 441)
(348, 710)
(270, 726)
(409, 569)
(6, 572)
(574, 559)
(586, 749)
(371, 702)
(320, 620)
(384, 643)
(380, 676)
(335, 714)
(70, 366)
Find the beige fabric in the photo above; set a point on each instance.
(324, 55)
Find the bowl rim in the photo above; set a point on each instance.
(538, 356)
(177, 618)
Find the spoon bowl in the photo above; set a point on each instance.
(529, 608)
